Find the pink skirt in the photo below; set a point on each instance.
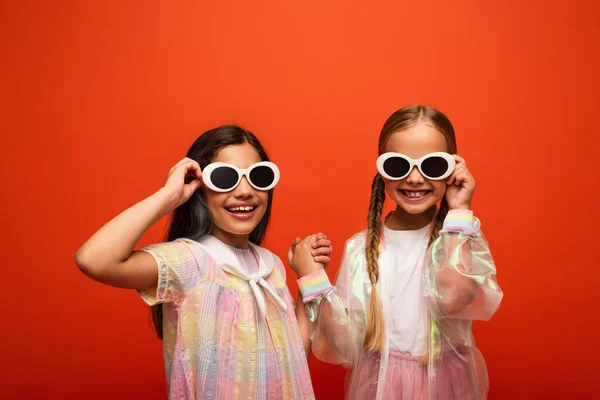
(407, 379)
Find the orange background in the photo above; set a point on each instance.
(101, 98)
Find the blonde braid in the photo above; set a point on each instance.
(374, 335)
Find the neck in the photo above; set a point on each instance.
(239, 241)
(400, 220)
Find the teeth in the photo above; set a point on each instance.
(415, 194)
(246, 208)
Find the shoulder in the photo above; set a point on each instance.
(193, 247)
(354, 251)
(356, 244)
(179, 250)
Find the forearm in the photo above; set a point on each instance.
(304, 324)
(461, 274)
(329, 326)
(114, 242)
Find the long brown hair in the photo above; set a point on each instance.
(192, 219)
(402, 119)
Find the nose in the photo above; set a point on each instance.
(243, 190)
(415, 177)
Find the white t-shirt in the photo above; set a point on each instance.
(406, 253)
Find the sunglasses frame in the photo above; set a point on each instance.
(206, 173)
(412, 163)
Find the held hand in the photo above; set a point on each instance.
(321, 249)
(461, 186)
(302, 261)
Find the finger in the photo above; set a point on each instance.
(321, 243)
(180, 171)
(193, 169)
(181, 176)
(321, 251)
(181, 162)
(321, 236)
(322, 259)
(184, 160)
(467, 180)
(198, 171)
(189, 170)
(195, 184)
(178, 164)
(460, 168)
(459, 159)
(303, 242)
(295, 242)
(452, 177)
(460, 178)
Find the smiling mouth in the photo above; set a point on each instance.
(415, 194)
(241, 210)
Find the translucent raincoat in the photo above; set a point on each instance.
(459, 286)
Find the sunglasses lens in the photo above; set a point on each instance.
(396, 167)
(224, 177)
(434, 167)
(262, 176)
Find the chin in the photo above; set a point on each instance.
(241, 229)
(412, 209)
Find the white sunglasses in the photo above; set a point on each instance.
(433, 166)
(223, 177)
